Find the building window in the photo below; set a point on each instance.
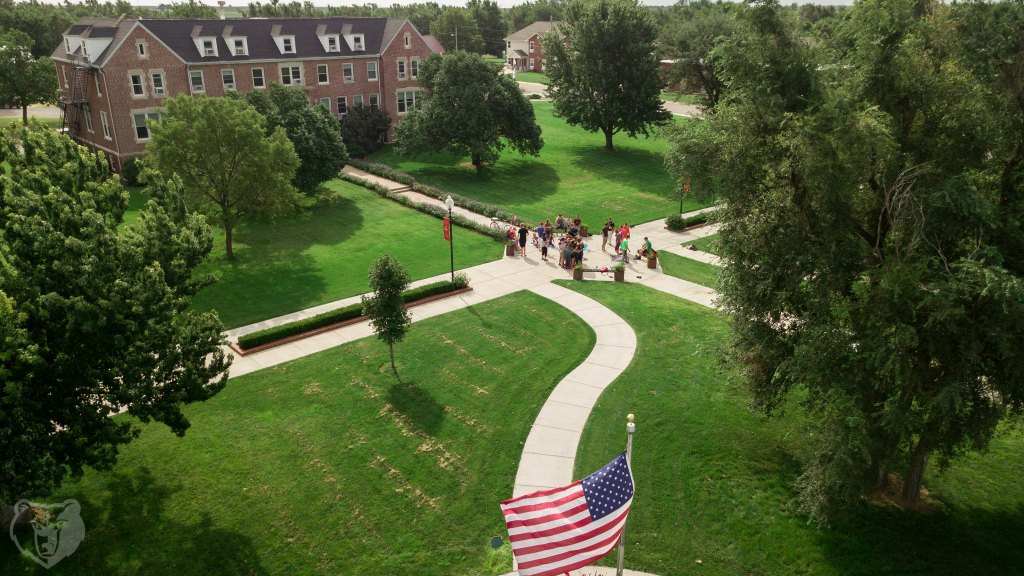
(414, 68)
(157, 77)
(401, 69)
(357, 42)
(374, 100)
(291, 75)
(371, 71)
(326, 103)
(64, 71)
(195, 80)
(357, 100)
(332, 44)
(88, 118)
(346, 72)
(408, 40)
(342, 106)
(508, 44)
(138, 84)
(105, 124)
(141, 46)
(531, 46)
(227, 76)
(240, 48)
(96, 81)
(208, 48)
(141, 120)
(257, 78)
(406, 101)
(288, 45)
(321, 74)
(531, 63)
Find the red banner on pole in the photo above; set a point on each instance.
(447, 230)
(686, 187)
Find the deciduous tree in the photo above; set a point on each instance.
(231, 167)
(689, 38)
(603, 69)
(314, 133)
(386, 310)
(866, 200)
(468, 107)
(94, 319)
(24, 79)
(456, 29)
(364, 129)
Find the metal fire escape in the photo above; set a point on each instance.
(75, 98)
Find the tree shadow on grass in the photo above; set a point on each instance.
(508, 182)
(127, 532)
(886, 540)
(329, 223)
(627, 166)
(418, 405)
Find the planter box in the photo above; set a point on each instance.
(620, 275)
(510, 250)
(652, 261)
(577, 273)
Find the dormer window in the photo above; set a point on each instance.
(67, 45)
(209, 48)
(238, 47)
(288, 44)
(332, 44)
(355, 42)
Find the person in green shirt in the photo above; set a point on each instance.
(625, 249)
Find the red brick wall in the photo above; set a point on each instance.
(390, 83)
(537, 54)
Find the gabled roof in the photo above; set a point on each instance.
(115, 29)
(540, 28)
(433, 43)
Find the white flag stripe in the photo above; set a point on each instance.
(564, 507)
(556, 567)
(582, 514)
(531, 501)
(600, 530)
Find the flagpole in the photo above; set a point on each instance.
(630, 428)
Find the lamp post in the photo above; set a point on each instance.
(449, 203)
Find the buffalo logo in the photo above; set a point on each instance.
(57, 530)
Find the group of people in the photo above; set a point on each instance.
(571, 246)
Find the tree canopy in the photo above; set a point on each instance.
(689, 38)
(603, 69)
(872, 197)
(457, 29)
(468, 107)
(313, 131)
(220, 149)
(364, 129)
(386, 310)
(94, 320)
(24, 78)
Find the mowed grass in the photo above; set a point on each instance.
(573, 175)
(536, 77)
(714, 480)
(324, 253)
(329, 465)
(688, 269)
(706, 244)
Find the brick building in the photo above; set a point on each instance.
(523, 50)
(114, 74)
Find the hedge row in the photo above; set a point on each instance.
(677, 222)
(385, 171)
(435, 211)
(342, 314)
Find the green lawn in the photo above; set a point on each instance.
(328, 465)
(692, 99)
(714, 481)
(706, 244)
(324, 254)
(537, 77)
(573, 175)
(688, 269)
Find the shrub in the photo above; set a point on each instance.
(130, 170)
(342, 314)
(675, 222)
(701, 218)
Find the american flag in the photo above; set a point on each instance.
(555, 531)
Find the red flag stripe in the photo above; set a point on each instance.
(578, 493)
(600, 548)
(539, 495)
(554, 531)
(597, 529)
(558, 516)
(547, 543)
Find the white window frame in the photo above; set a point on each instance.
(288, 44)
(88, 118)
(358, 43)
(408, 40)
(96, 81)
(239, 46)
(228, 86)
(161, 90)
(401, 102)
(402, 66)
(371, 72)
(192, 84)
(532, 63)
(325, 102)
(347, 72)
(332, 44)
(146, 115)
(138, 88)
(209, 47)
(142, 49)
(64, 71)
(357, 100)
(374, 100)
(342, 106)
(262, 78)
(105, 125)
(531, 47)
(414, 67)
(323, 75)
(292, 81)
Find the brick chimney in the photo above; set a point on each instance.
(220, 8)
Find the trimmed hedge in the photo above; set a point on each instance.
(675, 222)
(345, 313)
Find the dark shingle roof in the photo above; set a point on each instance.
(102, 32)
(177, 34)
